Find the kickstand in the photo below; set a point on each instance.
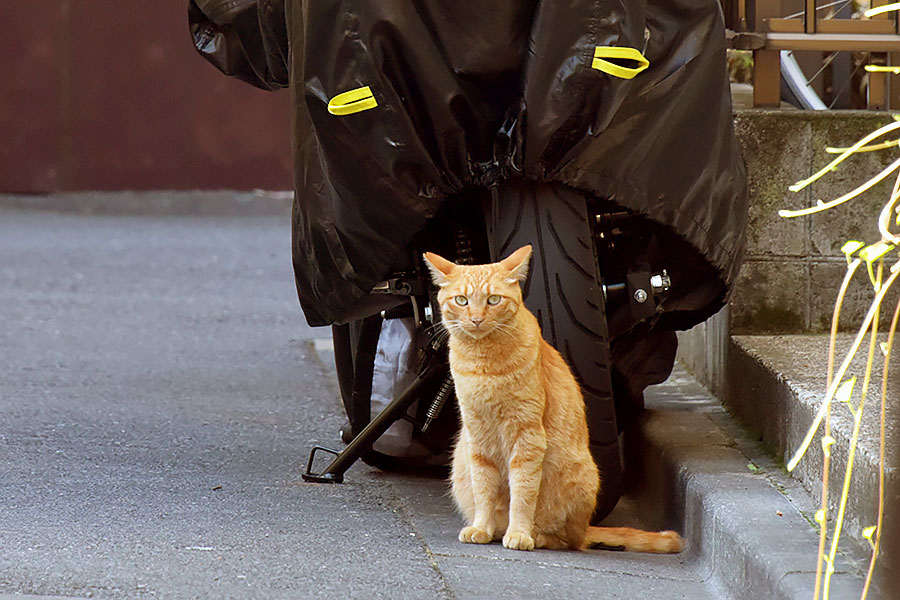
(334, 472)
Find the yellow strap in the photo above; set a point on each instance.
(615, 70)
(351, 102)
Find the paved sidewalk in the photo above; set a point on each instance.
(159, 393)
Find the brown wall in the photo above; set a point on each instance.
(109, 94)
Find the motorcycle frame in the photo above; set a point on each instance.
(610, 228)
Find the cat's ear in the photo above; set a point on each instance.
(517, 264)
(440, 268)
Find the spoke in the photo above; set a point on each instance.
(825, 64)
(818, 8)
(844, 87)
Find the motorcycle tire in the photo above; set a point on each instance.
(564, 290)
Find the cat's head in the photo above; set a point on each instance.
(477, 300)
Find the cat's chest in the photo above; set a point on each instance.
(497, 391)
(486, 394)
(492, 377)
(489, 378)
(494, 413)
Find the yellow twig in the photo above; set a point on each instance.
(882, 9)
(881, 452)
(854, 439)
(879, 296)
(884, 219)
(882, 69)
(826, 451)
(872, 148)
(851, 150)
(841, 199)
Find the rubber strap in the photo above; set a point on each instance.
(618, 52)
(352, 102)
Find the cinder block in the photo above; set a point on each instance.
(774, 293)
(771, 297)
(703, 348)
(856, 219)
(825, 282)
(776, 149)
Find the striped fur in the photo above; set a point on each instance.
(522, 471)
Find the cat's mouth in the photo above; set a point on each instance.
(477, 331)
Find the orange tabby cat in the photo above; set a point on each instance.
(522, 470)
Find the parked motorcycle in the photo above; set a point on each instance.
(598, 132)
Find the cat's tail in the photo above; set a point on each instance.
(634, 540)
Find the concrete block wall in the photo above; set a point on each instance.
(774, 382)
(793, 267)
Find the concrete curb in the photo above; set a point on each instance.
(777, 386)
(215, 203)
(744, 518)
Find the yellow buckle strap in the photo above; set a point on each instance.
(617, 52)
(352, 102)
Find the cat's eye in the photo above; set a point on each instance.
(461, 300)
(493, 300)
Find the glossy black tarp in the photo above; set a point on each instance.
(470, 93)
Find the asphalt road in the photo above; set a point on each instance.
(159, 393)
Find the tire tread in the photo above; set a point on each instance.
(564, 292)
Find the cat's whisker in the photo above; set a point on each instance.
(435, 328)
(454, 326)
(442, 335)
(506, 329)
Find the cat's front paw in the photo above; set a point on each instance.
(475, 535)
(518, 540)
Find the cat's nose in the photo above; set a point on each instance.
(477, 321)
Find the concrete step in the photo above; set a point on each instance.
(774, 386)
(746, 520)
(777, 386)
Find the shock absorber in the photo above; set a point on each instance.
(464, 256)
(437, 404)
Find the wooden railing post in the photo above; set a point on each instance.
(766, 63)
(809, 16)
(878, 82)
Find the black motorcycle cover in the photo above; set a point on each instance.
(400, 105)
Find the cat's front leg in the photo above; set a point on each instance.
(525, 471)
(485, 477)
